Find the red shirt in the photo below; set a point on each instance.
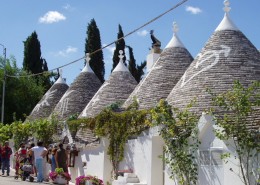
(6, 152)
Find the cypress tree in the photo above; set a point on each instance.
(120, 45)
(136, 70)
(33, 62)
(131, 62)
(140, 71)
(93, 43)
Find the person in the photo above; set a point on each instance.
(0, 156)
(61, 158)
(53, 161)
(20, 155)
(6, 153)
(31, 157)
(39, 152)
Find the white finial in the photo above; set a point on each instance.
(175, 27)
(60, 72)
(60, 79)
(121, 56)
(87, 68)
(87, 59)
(227, 8)
(175, 41)
(226, 23)
(121, 66)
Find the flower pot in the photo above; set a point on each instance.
(88, 183)
(60, 180)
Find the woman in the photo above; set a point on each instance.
(39, 153)
(53, 161)
(31, 157)
(61, 158)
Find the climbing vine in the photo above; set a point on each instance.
(240, 125)
(179, 133)
(117, 125)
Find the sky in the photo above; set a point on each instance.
(61, 26)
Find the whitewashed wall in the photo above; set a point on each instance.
(142, 156)
(97, 161)
(217, 172)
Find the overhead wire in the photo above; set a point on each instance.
(100, 49)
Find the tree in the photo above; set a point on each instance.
(140, 71)
(22, 94)
(120, 45)
(93, 43)
(33, 62)
(240, 106)
(136, 71)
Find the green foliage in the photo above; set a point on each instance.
(240, 105)
(120, 45)
(33, 62)
(22, 94)
(21, 132)
(5, 133)
(117, 127)
(136, 71)
(179, 133)
(93, 43)
(44, 130)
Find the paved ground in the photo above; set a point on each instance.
(9, 180)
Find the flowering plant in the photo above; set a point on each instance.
(93, 179)
(59, 171)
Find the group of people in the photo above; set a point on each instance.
(37, 156)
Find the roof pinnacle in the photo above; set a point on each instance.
(227, 8)
(87, 58)
(60, 72)
(87, 67)
(175, 28)
(175, 41)
(121, 56)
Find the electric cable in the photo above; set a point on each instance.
(128, 34)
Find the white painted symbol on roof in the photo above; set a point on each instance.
(64, 102)
(204, 58)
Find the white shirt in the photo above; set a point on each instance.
(37, 151)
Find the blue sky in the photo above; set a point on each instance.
(61, 26)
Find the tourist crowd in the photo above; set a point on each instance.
(36, 156)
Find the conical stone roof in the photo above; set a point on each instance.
(78, 95)
(227, 56)
(50, 99)
(163, 76)
(117, 88)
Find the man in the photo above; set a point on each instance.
(5, 155)
(61, 158)
(39, 152)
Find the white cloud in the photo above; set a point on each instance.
(193, 10)
(67, 51)
(142, 33)
(52, 17)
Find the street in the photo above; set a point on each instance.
(9, 180)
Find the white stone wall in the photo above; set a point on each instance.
(142, 156)
(97, 162)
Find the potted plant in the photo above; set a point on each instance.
(88, 180)
(59, 176)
